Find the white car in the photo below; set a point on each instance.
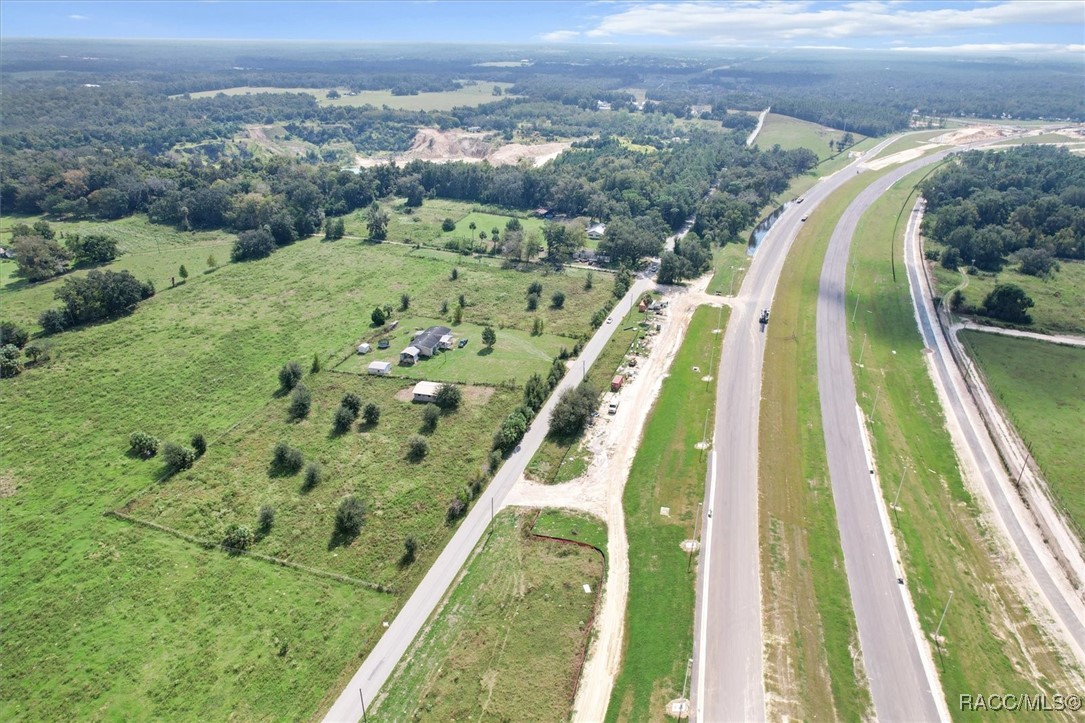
(610, 319)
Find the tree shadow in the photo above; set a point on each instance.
(485, 351)
(341, 538)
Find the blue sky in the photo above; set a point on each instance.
(991, 26)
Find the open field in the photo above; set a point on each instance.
(990, 637)
(509, 639)
(423, 225)
(471, 94)
(788, 132)
(203, 358)
(668, 471)
(570, 525)
(1059, 300)
(403, 498)
(150, 252)
(809, 625)
(559, 461)
(1041, 387)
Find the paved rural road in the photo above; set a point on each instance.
(728, 682)
(902, 686)
(1067, 609)
(382, 660)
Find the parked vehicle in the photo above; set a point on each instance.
(613, 408)
(463, 342)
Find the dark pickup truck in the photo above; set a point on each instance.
(764, 318)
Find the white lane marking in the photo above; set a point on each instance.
(706, 548)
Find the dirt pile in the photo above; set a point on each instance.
(438, 146)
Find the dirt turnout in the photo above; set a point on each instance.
(437, 146)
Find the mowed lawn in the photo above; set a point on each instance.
(668, 471)
(423, 225)
(1042, 388)
(789, 133)
(105, 619)
(508, 642)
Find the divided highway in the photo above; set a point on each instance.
(728, 680)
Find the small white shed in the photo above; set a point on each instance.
(380, 368)
(364, 348)
(446, 341)
(409, 355)
(426, 391)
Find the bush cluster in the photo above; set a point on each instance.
(287, 459)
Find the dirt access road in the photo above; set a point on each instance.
(613, 443)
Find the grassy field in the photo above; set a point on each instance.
(729, 265)
(403, 498)
(1042, 388)
(509, 640)
(570, 525)
(668, 471)
(788, 132)
(559, 461)
(990, 637)
(91, 601)
(472, 93)
(423, 225)
(810, 632)
(1059, 300)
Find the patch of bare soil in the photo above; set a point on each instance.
(438, 146)
(8, 486)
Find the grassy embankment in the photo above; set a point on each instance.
(788, 132)
(809, 626)
(1059, 299)
(124, 616)
(483, 654)
(668, 471)
(1042, 388)
(990, 639)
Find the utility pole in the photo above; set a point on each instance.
(874, 406)
(855, 308)
(896, 497)
(696, 519)
(862, 350)
(365, 718)
(940, 620)
(1024, 463)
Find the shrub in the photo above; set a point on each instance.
(455, 274)
(404, 302)
(495, 460)
(266, 519)
(10, 365)
(598, 318)
(1036, 262)
(343, 419)
(557, 300)
(53, 321)
(463, 300)
(290, 375)
(430, 417)
(287, 458)
(301, 400)
(252, 245)
(950, 258)
(536, 326)
(410, 548)
(36, 353)
(588, 282)
(315, 366)
(378, 316)
(448, 225)
(371, 414)
(417, 448)
(511, 431)
(177, 458)
(449, 396)
(457, 508)
(457, 314)
(350, 516)
(313, 475)
(444, 307)
(142, 445)
(352, 402)
(1008, 302)
(535, 393)
(11, 333)
(532, 302)
(534, 288)
(489, 336)
(199, 444)
(237, 538)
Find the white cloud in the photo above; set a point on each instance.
(776, 22)
(78, 17)
(990, 48)
(560, 36)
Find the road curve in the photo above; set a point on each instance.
(728, 680)
(381, 661)
(902, 685)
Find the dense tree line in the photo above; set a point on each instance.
(1028, 200)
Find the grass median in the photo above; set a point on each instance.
(668, 472)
